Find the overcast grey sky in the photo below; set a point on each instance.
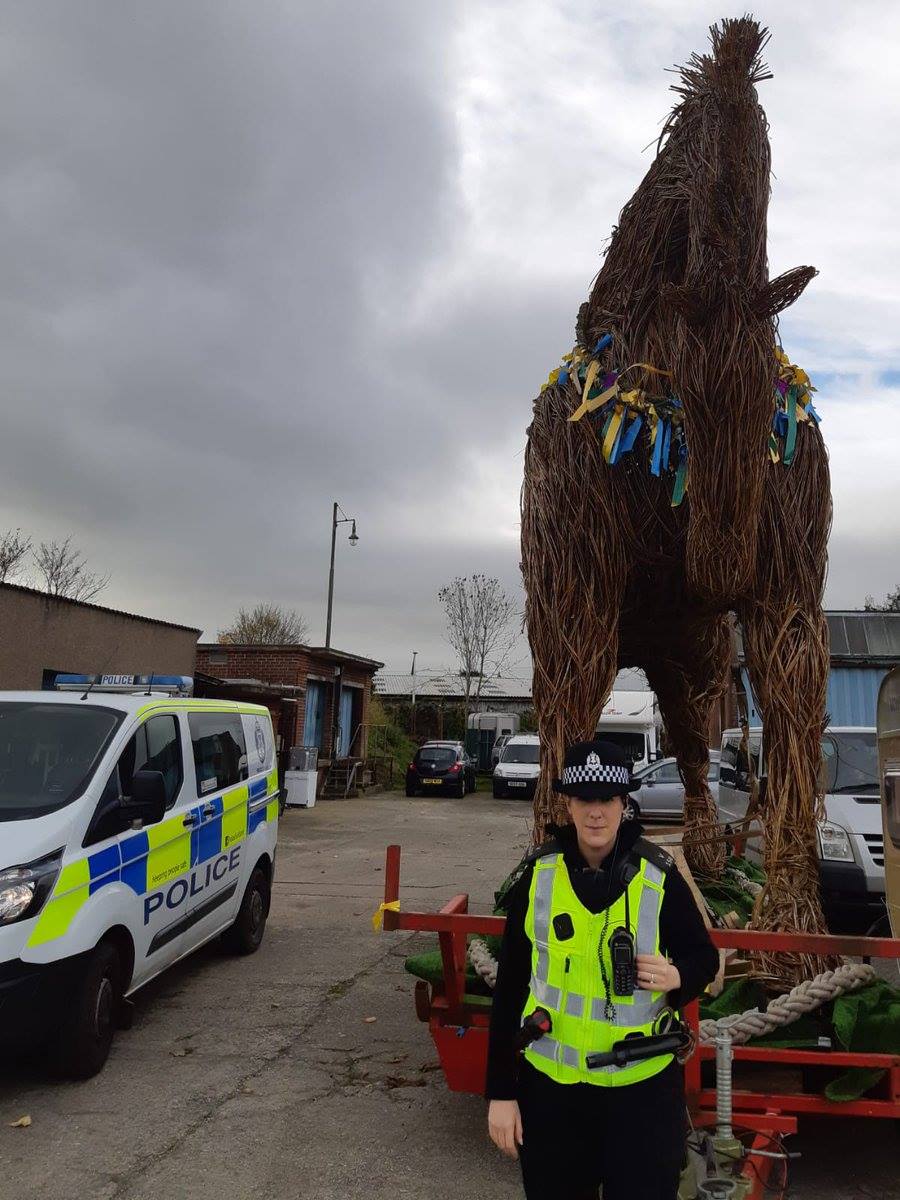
(263, 255)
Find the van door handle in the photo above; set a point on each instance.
(209, 810)
(189, 821)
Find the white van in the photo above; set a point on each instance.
(631, 721)
(135, 825)
(851, 839)
(516, 774)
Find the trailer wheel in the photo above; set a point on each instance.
(86, 1035)
(246, 934)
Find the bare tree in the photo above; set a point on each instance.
(13, 548)
(63, 571)
(266, 625)
(479, 616)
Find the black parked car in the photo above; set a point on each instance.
(441, 767)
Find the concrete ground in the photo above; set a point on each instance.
(267, 1077)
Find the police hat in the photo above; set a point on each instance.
(596, 771)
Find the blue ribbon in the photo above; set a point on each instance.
(790, 440)
(656, 460)
(630, 436)
(563, 376)
(667, 434)
(605, 340)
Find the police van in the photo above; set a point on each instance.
(136, 824)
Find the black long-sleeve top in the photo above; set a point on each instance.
(682, 934)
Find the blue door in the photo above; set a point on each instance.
(346, 723)
(314, 720)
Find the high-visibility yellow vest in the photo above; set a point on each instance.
(566, 977)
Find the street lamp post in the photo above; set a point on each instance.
(353, 539)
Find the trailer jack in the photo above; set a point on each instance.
(718, 1165)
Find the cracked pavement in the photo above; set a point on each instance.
(261, 1077)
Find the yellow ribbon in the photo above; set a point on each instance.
(587, 406)
(378, 915)
(610, 440)
(592, 372)
(551, 379)
(647, 367)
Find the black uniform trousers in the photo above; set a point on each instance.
(577, 1136)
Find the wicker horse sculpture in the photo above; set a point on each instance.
(675, 474)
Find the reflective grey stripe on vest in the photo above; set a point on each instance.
(543, 896)
(648, 917)
(549, 1047)
(644, 1009)
(546, 993)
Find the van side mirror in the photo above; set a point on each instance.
(147, 801)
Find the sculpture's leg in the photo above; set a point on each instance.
(786, 645)
(687, 682)
(787, 657)
(573, 569)
(574, 648)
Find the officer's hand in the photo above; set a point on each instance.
(656, 974)
(505, 1126)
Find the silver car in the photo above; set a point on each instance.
(661, 794)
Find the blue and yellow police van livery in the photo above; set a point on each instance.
(136, 824)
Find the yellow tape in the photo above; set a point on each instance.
(378, 915)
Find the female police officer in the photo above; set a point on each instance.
(574, 1128)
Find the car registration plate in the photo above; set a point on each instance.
(517, 783)
(432, 781)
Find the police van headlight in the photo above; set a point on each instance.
(23, 890)
(834, 843)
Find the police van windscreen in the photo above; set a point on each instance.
(521, 752)
(850, 762)
(48, 752)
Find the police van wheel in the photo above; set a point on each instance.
(87, 1034)
(246, 934)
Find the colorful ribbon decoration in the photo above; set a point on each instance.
(619, 416)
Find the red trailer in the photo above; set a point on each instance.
(459, 1026)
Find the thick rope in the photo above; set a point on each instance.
(483, 962)
(804, 998)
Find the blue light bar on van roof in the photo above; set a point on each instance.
(171, 685)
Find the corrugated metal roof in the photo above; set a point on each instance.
(864, 635)
(449, 685)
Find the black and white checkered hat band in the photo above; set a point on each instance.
(599, 774)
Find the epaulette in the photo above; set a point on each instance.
(654, 854)
(550, 847)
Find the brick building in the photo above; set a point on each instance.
(329, 690)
